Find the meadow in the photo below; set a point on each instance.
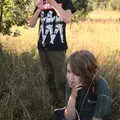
(22, 87)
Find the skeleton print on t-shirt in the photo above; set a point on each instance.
(51, 25)
(52, 29)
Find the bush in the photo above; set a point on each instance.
(115, 4)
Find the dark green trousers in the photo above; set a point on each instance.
(53, 63)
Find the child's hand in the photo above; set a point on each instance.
(75, 90)
(77, 84)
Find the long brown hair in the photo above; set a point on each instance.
(83, 63)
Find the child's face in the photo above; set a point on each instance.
(73, 79)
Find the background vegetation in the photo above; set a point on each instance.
(23, 93)
(17, 12)
(22, 87)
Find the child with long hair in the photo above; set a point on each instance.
(89, 95)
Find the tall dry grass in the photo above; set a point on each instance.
(23, 93)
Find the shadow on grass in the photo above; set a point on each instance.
(23, 95)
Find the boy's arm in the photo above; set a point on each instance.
(65, 15)
(33, 20)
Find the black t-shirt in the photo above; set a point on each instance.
(52, 34)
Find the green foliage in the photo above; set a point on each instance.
(81, 9)
(97, 4)
(16, 12)
(13, 12)
(80, 4)
(115, 4)
(103, 4)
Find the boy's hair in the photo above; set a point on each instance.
(84, 64)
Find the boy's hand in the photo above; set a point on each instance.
(39, 4)
(33, 19)
(52, 2)
(65, 15)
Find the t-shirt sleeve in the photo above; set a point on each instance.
(67, 4)
(103, 104)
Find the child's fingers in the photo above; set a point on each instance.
(79, 85)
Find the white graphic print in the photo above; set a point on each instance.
(44, 33)
(48, 28)
(59, 27)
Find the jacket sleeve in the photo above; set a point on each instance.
(103, 104)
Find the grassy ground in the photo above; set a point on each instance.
(22, 89)
(105, 14)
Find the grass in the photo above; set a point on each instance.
(93, 36)
(99, 14)
(22, 88)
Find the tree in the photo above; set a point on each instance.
(13, 12)
(16, 12)
(80, 5)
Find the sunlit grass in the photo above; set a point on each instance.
(99, 14)
(24, 42)
(98, 37)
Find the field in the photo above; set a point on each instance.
(22, 89)
(81, 35)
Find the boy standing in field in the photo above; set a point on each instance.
(52, 43)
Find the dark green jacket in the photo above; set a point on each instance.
(96, 104)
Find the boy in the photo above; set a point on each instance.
(52, 43)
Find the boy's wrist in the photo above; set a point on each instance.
(38, 10)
